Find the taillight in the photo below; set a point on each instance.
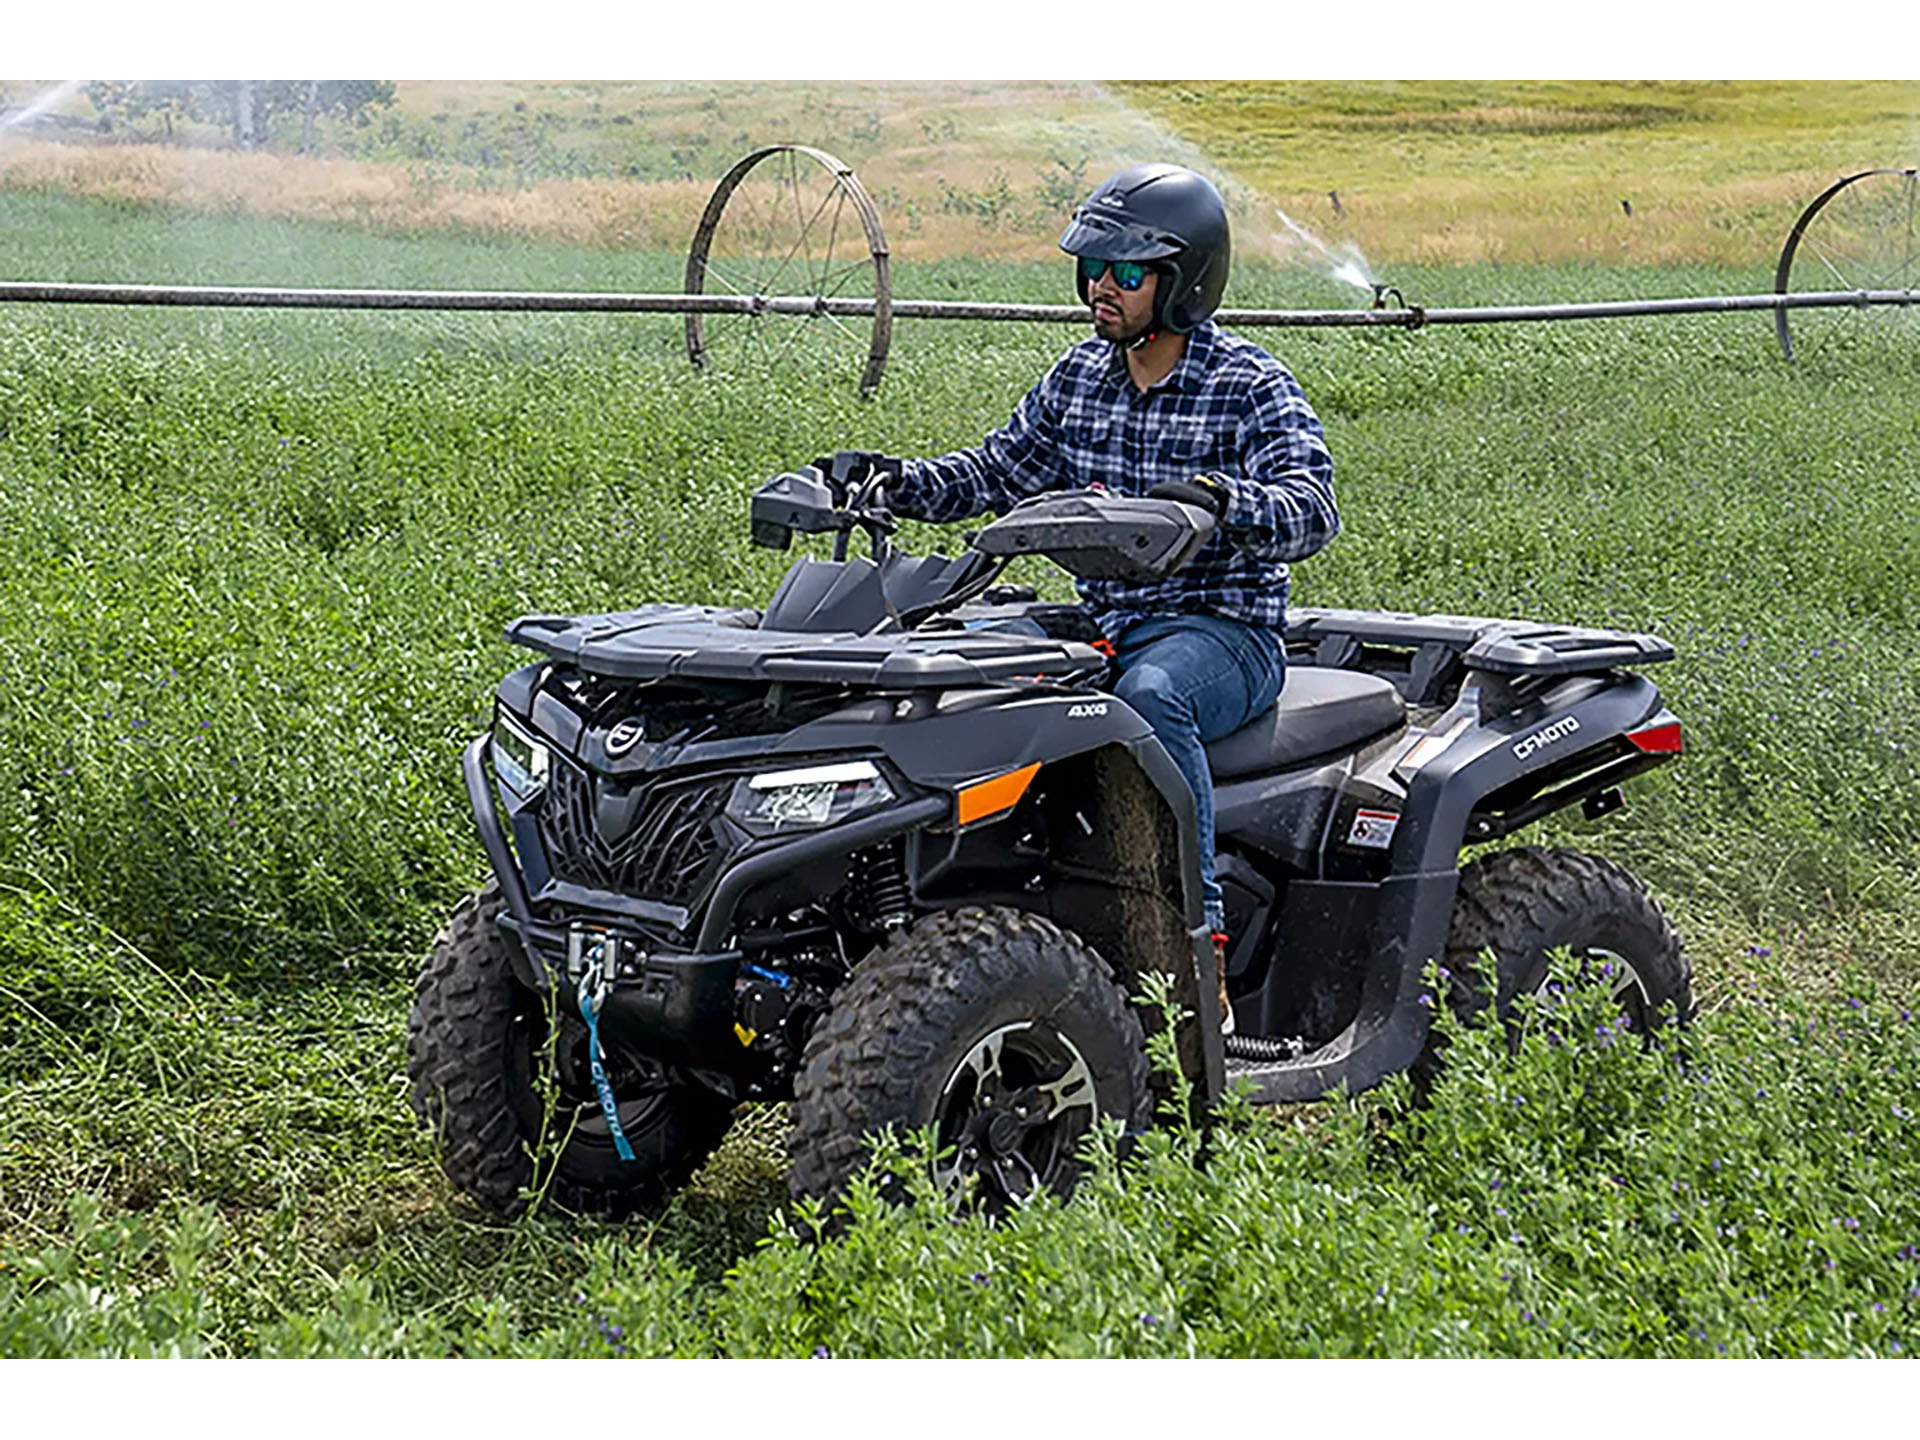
(1661, 739)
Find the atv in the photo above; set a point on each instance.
(890, 850)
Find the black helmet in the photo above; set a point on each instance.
(1166, 215)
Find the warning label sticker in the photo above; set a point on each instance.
(1373, 829)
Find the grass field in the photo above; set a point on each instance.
(260, 564)
(1528, 172)
(1428, 172)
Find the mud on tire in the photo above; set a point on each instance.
(1522, 903)
(1003, 1032)
(474, 1041)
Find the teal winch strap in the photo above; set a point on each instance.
(590, 1012)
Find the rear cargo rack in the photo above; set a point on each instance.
(1444, 645)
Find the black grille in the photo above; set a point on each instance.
(668, 846)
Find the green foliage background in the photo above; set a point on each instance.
(256, 573)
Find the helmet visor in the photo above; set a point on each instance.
(1112, 237)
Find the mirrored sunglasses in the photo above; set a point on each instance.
(1129, 275)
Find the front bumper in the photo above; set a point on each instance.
(676, 1002)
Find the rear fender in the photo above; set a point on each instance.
(1576, 727)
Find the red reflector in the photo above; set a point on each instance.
(1658, 739)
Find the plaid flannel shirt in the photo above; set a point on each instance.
(1228, 411)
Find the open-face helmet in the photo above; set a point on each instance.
(1169, 218)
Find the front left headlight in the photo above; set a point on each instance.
(807, 798)
(522, 761)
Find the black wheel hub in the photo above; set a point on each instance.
(1010, 1115)
(640, 1086)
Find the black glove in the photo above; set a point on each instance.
(1201, 491)
(847, 470)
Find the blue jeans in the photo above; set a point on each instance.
(1196, 678)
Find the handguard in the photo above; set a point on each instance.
(1097, 536)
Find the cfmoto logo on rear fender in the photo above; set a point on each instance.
(1540, 739)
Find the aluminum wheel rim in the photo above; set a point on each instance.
(1010, 1115)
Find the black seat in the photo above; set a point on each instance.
(1318, 711)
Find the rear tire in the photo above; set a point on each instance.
(474, 1041)
(1522, 903)
(1004, 1033)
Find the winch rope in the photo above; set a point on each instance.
(593, 992)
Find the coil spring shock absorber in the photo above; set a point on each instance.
(880, 886)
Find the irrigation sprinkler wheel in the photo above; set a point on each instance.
(1860, 233)
(790, 220)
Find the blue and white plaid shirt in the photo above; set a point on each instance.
(1228, 410)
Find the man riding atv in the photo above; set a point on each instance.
(902, 846)
(1164, 403)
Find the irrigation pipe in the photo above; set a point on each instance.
(1412, 317)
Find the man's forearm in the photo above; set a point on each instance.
(949, 487)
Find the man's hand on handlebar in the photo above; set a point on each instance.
(1202, 492)
(847, 471)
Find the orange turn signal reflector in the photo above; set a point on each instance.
(1657, 739)
(990, 797)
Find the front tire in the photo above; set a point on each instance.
(1520, 904)
(476, 1041)
(1003, 1033)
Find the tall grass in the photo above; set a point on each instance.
(1590, 1197)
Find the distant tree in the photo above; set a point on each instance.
(244, 108)
(129, 104)
(353, 101)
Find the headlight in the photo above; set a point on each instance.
(521, 761)
(808, 798)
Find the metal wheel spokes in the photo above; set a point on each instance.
(1011, 1114)
(1609, 968)
(1861, 233)
(1621, 980)
(791, 222)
